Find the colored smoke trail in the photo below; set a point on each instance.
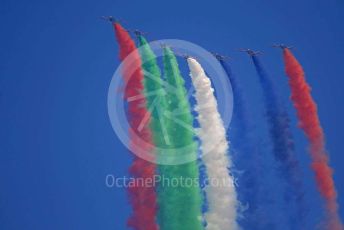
(306, 109)
(240, 110)
(142, 198)
(283, 147)
(222, 199)
(157, 104)
(185, 202)
(245, 156)
(154, 93)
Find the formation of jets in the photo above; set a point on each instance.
(251, 52)
(138, 32)
(185, 56)
(114, 20)
(218, 56)
(163, 45)
(109, 19)
(282, 46)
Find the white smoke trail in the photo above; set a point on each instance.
(220, 192)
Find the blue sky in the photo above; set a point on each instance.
(56, 62)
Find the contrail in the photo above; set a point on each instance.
(309, 122)
(283, 147)
(222, 199)
(142, 198)
(182, 210)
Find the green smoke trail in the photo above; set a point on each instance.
(155, 94)
(157, 105)
(183, 202)
(179, 205)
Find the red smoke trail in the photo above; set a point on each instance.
(309, 121)
(142, 198)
